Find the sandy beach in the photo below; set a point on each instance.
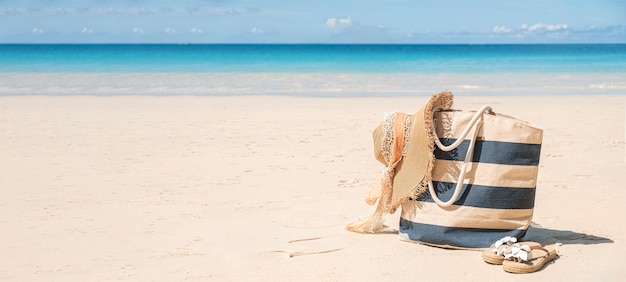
(260, 188)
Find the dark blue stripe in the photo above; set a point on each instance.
(455, 236)
(494, 152)
(481, 196)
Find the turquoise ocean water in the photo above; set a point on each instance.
(310, 69)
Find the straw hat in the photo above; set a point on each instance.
(404, 144)
(413, 170)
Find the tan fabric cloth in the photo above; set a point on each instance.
(408, 170)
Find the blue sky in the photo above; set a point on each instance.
(313, 21)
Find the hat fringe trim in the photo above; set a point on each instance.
(446, 99)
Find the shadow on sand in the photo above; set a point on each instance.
(547, 236)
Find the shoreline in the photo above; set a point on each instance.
(309, 84)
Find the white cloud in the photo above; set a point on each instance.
(331, 22)
(540, 32)
(501, 29)
(256, 30)
(137, 30)
(86, 30)
(196, 30)
(130, 11)
(215, 11)
(556, 27)
(37, 30)
(169, 30)
(346, 21)
(8, 11)
(223, 11)
(55, 11)
(338, 22)
(543, 27)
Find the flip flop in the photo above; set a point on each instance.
(538, 257)
(491, 256)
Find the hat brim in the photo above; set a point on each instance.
(413, 172)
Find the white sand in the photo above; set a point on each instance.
(260, 188)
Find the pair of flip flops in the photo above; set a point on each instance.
(522, 257)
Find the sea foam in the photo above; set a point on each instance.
(307, 84)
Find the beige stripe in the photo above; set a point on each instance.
(497, 127)
(515, 176)
(466, 217)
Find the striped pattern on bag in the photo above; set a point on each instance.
(498, 194)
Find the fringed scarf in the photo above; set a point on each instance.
(395, 137)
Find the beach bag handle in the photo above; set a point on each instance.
(476, 123)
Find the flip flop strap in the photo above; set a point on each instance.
(541, 249)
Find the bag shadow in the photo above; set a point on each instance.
(546, 236)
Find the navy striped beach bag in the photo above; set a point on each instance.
(483, 181)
